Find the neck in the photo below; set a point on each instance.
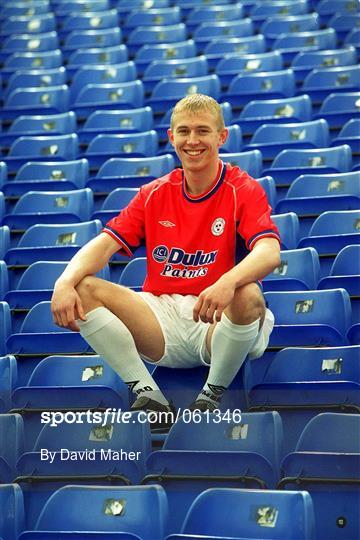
(200, 182)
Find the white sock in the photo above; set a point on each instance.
(111, 339)
(230, 344)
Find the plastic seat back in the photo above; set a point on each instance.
(103, 74)
(134, 274)
(250, 161)
(104, 507)
(299, 270)
(288, 225)
(60, 235)
(258, 514)
(11, 445)
(36, 78)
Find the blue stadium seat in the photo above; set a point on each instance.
(51, 242)
(134, 274)
(196, 455)
(309, 318)
(51, 207)
(114, 54)
(49, 100)
(47, 41)
(267, 84)
(268, 183)
(11, 445)
(116, 121)
(3, 176)
(55, 124)
(130, 172)
(23, 10)
(8, 380)
(31, 60)
(83, 39)
(326, 464)
(168, 91)
(73, 6)
(5, 325)
(207, 31)
(218, 47)
(97, 20)
(353, 39)
(274, 26)
(262, 11)
(105, 442)
(345, 271)
(25, 24)
(124, 8)
(299, 270)
(142, 35)
(39, 147)
(183, 67)
(332, 231)
(301, 383)
(114, 202)
(270, 139)
(288, 225)
(67, 383)
(344, 23)
(289, 164)
(4, 279)
(350, 134)
(104, 146)
(322, 82)
(234, 63)
(211, 13)
(289, 44)
(12, 517)
(35, 78)
(48, 176)
(4, 240)
(150, 17)
(101, 74)
(140, 510)
(108, 96)
(163, 51)
(275, 111)
(310, 195)
(39, 336)
(339, 108)
(306, 61)
(250, 161)
(249, 513)
(326, 8)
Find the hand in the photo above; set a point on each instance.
(213, 300)
(66, 307)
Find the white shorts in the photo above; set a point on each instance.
(185, 340)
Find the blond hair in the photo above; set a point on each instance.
(194, 103)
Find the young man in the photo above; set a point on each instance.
(197, 305)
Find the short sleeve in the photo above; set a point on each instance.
(128, 227)
(254, 221)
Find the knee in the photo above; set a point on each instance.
(247, 306)
(87, 288)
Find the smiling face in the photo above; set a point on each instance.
(196, 137)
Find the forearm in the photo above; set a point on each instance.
(88, 260)
(261, 261)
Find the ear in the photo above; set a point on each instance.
(223, 135)
(171, 136)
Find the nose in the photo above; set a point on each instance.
(192, 138)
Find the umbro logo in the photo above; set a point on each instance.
(167, 223)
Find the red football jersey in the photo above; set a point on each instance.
(191, 241)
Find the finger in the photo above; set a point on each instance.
(210, 313)
(196, 309)
(80, 309)
(219, 312)
(71, 322)
(204, 310)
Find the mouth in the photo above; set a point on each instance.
(194, 153)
